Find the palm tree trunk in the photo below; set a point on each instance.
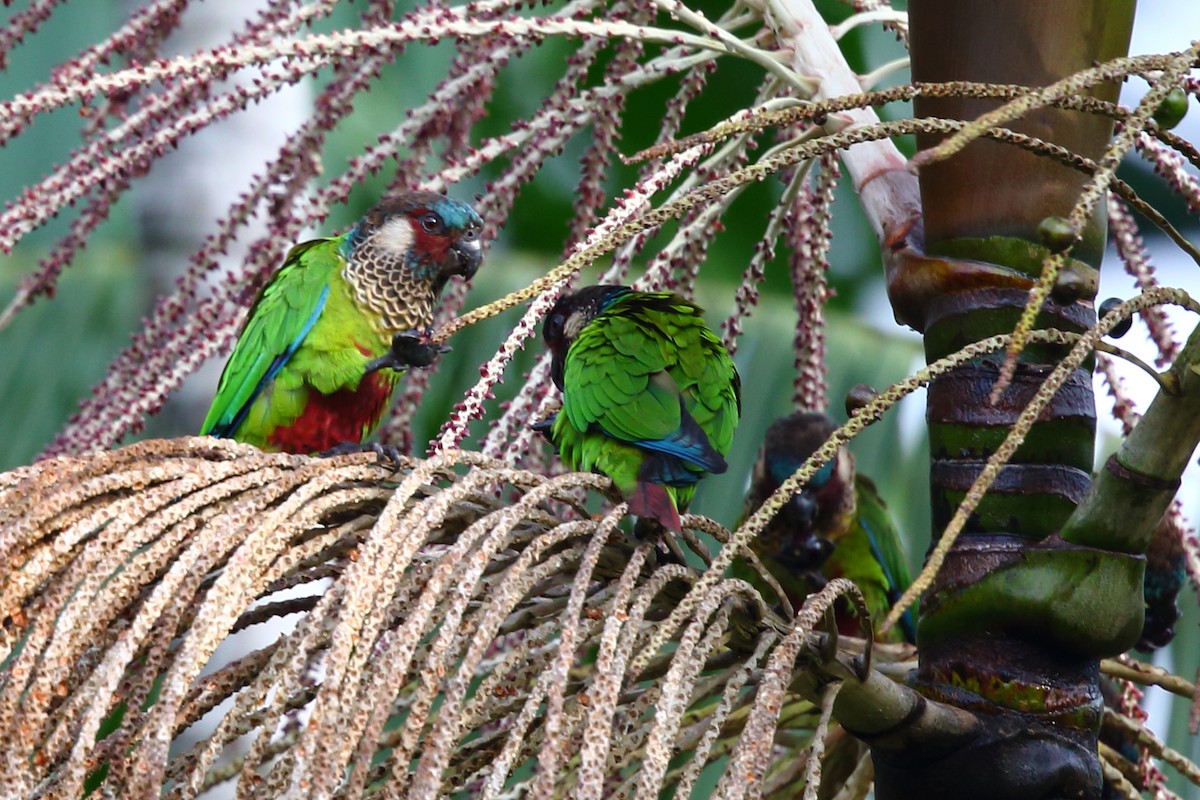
(1016, 621)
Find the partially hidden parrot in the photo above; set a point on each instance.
(650, 396)
(315, 364)
(1166, 573)
(837, 526)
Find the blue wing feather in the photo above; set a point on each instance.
(894, 590)
(227, 429)
(689, 443)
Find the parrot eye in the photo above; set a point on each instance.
(430, 222)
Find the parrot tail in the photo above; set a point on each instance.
(652, 500)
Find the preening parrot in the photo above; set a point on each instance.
(650, 396)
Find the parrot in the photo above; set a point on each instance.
(651, 398)
(316, 361)
(835, 527)
(1166, 573)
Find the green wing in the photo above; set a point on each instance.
(609, 370)
(638, 367)
(876, 522)
(282, 315)
(710, 382)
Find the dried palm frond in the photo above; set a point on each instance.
(438, 640)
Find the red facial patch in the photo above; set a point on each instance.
(433, 245)
(332, 419)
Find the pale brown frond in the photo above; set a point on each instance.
(439, 639)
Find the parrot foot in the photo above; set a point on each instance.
(809, 556)
(410, 348)
(544, 426)
(666, 549)
(388, 455)
(647, 528)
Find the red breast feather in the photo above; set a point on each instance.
(332, 419)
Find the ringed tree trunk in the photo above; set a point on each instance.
(1017, 619)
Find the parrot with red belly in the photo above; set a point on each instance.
(315, 364)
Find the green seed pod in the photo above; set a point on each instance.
(1071, 285)
(1172, 109)
(1056, 234)
(1123, 326)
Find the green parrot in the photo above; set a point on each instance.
(307, 373)
(650, 396)
(836, 527)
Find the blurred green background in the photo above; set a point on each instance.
(55, 351)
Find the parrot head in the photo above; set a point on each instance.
(430, 237)
(802, 522)
(569, 316)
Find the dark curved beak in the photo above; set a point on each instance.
(807, 555)
(468, 251)
(557, 366)
(802, 512)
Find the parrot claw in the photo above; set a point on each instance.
(666, 549)
(647, 529)
(410, 348)
(343, 449)
(388, 455)
(544, 426)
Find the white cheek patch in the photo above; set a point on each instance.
(574, 325)
(845, 468)
(395, 237)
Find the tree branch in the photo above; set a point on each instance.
(1132, 492)
(888, 191)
